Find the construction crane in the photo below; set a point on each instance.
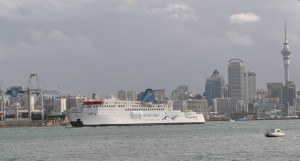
(38, 87)
(35, 86)
(2, 84)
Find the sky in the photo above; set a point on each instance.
(102, 46)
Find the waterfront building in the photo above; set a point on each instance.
(139, 96)
(273, 89)
(199, 106)
(60, 105)
(121, 95)
(132, 95)
(184, 88)
(296, 104)
(95, 96)
(159, 94)
(287, 93)
(261, 93)
(222, 106)
(250, 88)
(236, 70)
(181, 93)
(214, 87)
(73, 103)
(269, 110)
(266, 107)
(48, 104)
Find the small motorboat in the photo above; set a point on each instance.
(274, 133)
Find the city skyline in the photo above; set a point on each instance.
(134, 45)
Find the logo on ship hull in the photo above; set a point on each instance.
(171, 116)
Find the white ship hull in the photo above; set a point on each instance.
(119, 118)
(110, 112)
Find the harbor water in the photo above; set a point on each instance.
(241, 140)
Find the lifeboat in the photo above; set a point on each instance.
(92, 102)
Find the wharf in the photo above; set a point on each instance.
(26, 123)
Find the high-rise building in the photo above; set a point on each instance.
(214, 87)
(250, 88)
(180, 93)
(287, 93)
(286, 52)
(222, 106)
(236, 70)
(273, 88)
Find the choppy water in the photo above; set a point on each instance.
(211, 141)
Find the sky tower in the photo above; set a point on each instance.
(286, 52)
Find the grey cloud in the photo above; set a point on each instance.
(239, 39)
(176, 11)
(103, 46)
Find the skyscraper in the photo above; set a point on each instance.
(273, 89)
(214, 87)
(286, 52)
(180, 93)
(250, 88)
(236, 70)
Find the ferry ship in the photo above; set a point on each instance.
(115, 112)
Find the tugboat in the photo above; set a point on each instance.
(274, 133)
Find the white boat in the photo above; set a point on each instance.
(274, 133)
(115, 112)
